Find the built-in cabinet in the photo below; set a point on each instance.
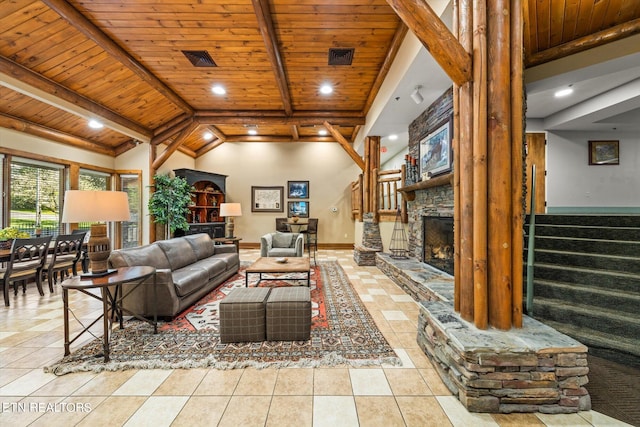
(206, 198)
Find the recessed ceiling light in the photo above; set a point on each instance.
(207, 136)
(218, 90)
(326, 89)
(393, 137)
(252, 131)
(94, 124)
(322, 132)
(563, 92)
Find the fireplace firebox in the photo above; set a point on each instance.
(438, 242)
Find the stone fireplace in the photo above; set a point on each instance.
(438, 242)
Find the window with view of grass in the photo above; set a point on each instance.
(35, 196)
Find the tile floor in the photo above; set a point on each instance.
(411, 395)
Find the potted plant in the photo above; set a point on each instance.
(169, 203)
(8, 234)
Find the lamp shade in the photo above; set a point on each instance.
(94, 206)
(230, 209)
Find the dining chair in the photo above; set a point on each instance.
(311, 234)
(84, 258)
(66, 254)
(281, 225)
(27, 260)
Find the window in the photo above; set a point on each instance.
(35, 196)
(130, 231)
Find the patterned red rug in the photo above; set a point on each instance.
(342, 332)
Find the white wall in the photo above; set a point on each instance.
(326, 166)
(573, 186)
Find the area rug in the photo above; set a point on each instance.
(342, 332)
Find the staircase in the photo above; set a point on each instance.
(587, 281)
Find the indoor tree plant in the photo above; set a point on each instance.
(169, 203)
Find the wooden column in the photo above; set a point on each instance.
(480, 286)
(374, 164)
(517, 143)
(366, 179)
(466, 113)
(152, 157)
(456, 174)
(499, 163)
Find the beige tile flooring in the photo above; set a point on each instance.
(411, 395)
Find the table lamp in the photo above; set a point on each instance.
(97, 207)
(230, 210)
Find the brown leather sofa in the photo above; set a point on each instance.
(187, 269)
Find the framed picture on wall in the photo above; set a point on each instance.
(435, 150)
(298, 189)
(298, 208)
(267, 199)
(604, 152)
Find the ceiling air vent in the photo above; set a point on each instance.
(341, 56)
(199, 58)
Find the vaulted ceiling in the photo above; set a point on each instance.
(146, 68)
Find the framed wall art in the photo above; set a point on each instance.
(435, 150)
(604, 152)
(298, 208)
(298, 189)
(267, 199)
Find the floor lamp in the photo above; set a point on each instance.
(97, 207)
(229, 211)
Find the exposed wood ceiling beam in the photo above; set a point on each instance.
(208, 147)
(217, 132)
(278, 138)
(436, 37)
(345, 145)
(171, 148)
(10, 122)
(170, 123)
(263, 13)
(398, 37)
(125, 146)
(81, 23)
(168, 133)
(294, 132)
(188, 151)
(262, 120)
(583, 43)
(25, 81)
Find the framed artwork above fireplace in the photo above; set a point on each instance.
(435, 150)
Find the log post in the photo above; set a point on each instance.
(480, 297)
(517, 142)
(466, 114)
(499, 163)
(366, 189)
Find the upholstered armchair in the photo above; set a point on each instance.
(282, 245)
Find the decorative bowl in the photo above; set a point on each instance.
(282, 260)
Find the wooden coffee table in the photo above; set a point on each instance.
(266, 265)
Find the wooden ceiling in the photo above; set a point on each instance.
(122, 62)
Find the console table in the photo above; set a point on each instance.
(111, 295)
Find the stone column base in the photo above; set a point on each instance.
(365, 256)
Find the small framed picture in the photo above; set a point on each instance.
(435, 150)
(298, 189)
(298, 208)
(267, 199)
(604, 152)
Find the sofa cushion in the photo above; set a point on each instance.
(213, 266)
(188, 280)
(179, 252)
(283, 240)
(282, 252)
(202, 245)
(143, 255)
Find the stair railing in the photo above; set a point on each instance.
(531, 244)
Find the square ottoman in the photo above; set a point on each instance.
(289, 314)
(242, 315)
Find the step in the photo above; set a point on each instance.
(593, 246)
(599, 341)
(587, 232)
(590, 277)
(595, 318)
(627, 302)
(594, 220)
(619, 263)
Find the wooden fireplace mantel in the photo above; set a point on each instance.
(409, 192)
